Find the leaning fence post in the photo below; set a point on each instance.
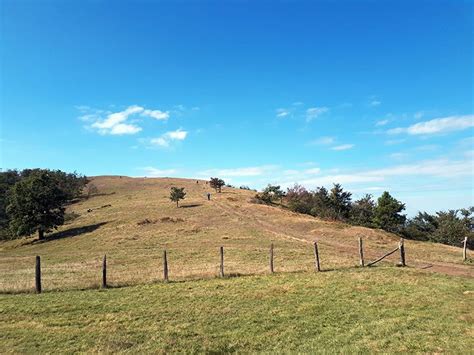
(271, 259)
(165, 266)
(464, 250)
(316, 256)
(222, 262)
(401, 246)
(38, 275)
(361, 252)
(104, 272)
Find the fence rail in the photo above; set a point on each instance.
(400, 247)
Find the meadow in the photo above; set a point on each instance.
(424, 307)
(132, 221)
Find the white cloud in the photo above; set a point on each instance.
(374, 103)
(322, 141)
(313, 171)
(343, 147)
(438, 168)
(437, 125)
(282, 112)
(297, 103)
(167, 138)
(381, 123)
(154, 172)
(123, 128)
(156, 114)
(314, 112)
(117, 123)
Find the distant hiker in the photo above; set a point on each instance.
(197, 181)
(208, 196)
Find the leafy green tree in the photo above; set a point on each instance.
(362, 211)
(270, 194)
(451, 228)
(321, 203)
(35, 204)
(217, 184)
(7, 180)
(388, 213)
(176, 194)
(299, 199)
(421, 227)
(340, 202)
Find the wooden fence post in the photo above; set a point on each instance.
(316, 256)
(38, 275)
(401, 246)
(464, 250)
(104, 272)
(165, 266)
(361, 252)
(221, 273)
(271, 259)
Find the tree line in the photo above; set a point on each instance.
(447, 227)
(34, 200)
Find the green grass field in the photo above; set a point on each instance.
(426, 307)
(355, 310)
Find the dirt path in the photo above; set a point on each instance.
(255, 219)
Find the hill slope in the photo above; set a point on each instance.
(132, 220)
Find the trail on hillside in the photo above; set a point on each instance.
(255, 219)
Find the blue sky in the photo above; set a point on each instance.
(374, 95)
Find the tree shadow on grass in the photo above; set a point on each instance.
(191, 206)
(69, 233)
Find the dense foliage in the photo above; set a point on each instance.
(176, 194)
(216, 184)
(386, 213)
(447, 227)
(32, 200)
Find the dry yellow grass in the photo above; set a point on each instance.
(192, 235)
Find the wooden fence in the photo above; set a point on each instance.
(317, 264)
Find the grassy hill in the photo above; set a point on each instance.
(424, 307)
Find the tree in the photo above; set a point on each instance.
(299, 199)
(35, 204)
(176, 194)
(217, 184)
(270, 194)
(340, 202)
(362, 211)
(7, 180)
(421, 227)
(321, 203)
(451, 229)
(388, 213)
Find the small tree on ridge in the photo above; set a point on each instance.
(176, 194)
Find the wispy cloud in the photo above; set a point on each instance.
(154, 172)
(343, 147)
(374, 103)
(115, 124)
(322, 141)
(166, 139)
(282, 112)
(314, 112)
(418, 115)
(437, 125)
(106, 122)
(381, 123)
(156, 114)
